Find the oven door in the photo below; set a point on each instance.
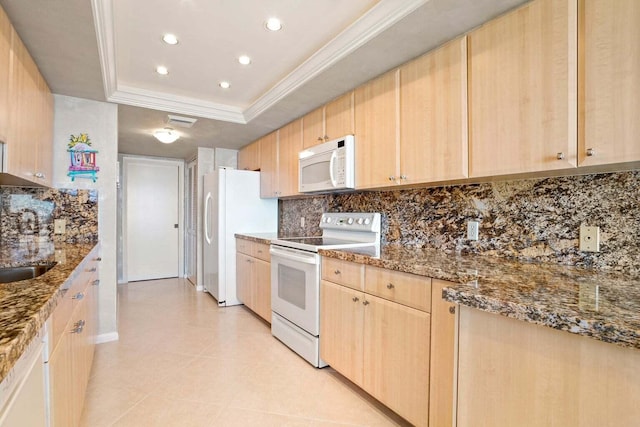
(295, 287)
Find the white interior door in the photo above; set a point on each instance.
(191, 218)
(152, 219)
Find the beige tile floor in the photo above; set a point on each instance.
(182, 361)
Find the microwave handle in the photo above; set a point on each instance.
(332, 162)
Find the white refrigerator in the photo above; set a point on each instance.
(232, 204)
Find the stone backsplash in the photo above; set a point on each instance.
(531, 220)
(27, 215)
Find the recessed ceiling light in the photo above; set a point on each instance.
(273, 24)
(244, 60)
(166, 135)
(225, 85)
(162, 70)
(170, 39)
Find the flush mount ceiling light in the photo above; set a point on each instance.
(273, 24)
(162, 70)
(244, 60)
(170, 39)
(225, 85)
(166, 135)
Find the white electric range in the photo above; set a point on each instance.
(295, 278)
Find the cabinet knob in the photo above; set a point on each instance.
(39, 175)
(452, 309)
(403, 177)
(355, 299)
(96, 282)
(99, 259)
(591, 152)
(392, 178)
(320, 139)
(560, 156)
(365, 302)
(390, 286)
(78, 296)
(336, 272)
(326, 138)
(92, 270)
(248, 260)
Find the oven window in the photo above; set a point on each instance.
(291, 285)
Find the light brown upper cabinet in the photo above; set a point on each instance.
(5, 66)
(268, 165)
(609, 82)
(279, 161)
(30, 128)
(334, 120)
(376, 118)
(313, 128)
(433, 116)
(249, 157)
(290, 145)
(523, 90)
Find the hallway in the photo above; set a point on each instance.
(182, 361)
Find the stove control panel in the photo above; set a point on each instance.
(353, 221)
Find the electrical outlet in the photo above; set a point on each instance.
(59, 226)
(473, 228)
(589, 238)
(302, 222)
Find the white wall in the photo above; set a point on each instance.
(100, 121)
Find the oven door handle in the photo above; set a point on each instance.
(292, 256)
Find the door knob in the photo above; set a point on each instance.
(591, 152)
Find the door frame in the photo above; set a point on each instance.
(128, 159)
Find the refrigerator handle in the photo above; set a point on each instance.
(207, 203)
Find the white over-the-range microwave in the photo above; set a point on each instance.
(328, 166)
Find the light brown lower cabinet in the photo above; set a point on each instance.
(73, 346)
(379, 344)
(515, 373)
(253, 277)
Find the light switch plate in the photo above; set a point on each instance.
(473, 230)
(59, 226)
(589, 238)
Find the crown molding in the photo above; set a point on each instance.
(103, 23)
(378, 19)
(176, 104)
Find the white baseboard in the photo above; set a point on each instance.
(108, 337)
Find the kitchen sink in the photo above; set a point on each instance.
(14, 274)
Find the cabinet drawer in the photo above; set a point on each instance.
(342, 272)
(243, 246)
(260, 251)
(404, 288)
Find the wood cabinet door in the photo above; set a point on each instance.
(433, 115)
(249, 157)
(262, 289)
(44, 138)
(61, 381)
(269, 165)
(444, 355)
(341, 329)
(5, 71)
(396, 357)
(339, 117)
(244, 276)
(376, 121)
(313, 128)
(290, 145)
(610, 79)
(23, 92)
(523, 90)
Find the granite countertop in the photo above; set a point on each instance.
(598, 304)
(26, 305)
(264, 238)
